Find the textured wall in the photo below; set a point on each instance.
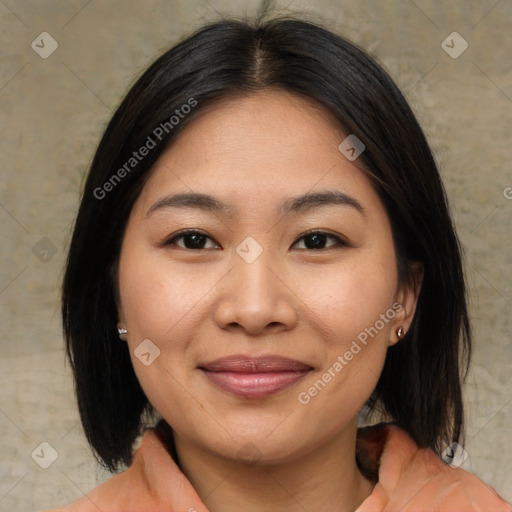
(53, 111)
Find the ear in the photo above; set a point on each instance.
(406, 301)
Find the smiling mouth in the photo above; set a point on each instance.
(254, 377)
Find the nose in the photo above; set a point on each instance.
(256, 298)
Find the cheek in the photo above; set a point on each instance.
(156, 296)
(354, 358)
(158, 303)
(351, 297)
(352, 305)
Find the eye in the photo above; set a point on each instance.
(315, 240)
(197, 240)
(192, 239)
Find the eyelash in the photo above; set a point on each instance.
(182, 234)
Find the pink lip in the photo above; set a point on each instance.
(254, 377)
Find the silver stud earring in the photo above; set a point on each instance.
(122, 332)
(400, 333)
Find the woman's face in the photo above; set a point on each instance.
(256, 330)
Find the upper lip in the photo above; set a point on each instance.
(247, 364)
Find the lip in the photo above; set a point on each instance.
(254, 377)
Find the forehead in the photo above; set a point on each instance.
(269, 125)
(262, 148)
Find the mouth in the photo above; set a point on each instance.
(251, 377)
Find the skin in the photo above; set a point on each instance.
(293, 301)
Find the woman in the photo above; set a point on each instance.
(264, 228)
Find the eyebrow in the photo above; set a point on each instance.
(290, 205)
(317, 199)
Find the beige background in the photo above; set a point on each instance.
(52, 114)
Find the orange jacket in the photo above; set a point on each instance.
(409, 479)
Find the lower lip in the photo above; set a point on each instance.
(254, 385)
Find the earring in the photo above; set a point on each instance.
(400, 332)
(122, 332)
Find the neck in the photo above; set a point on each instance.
(325, 479)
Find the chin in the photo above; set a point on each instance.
(262, 444)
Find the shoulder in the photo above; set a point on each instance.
(127, 491)
(152, 483)
(413, 478)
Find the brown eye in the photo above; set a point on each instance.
(316, 240)
(192, 240)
